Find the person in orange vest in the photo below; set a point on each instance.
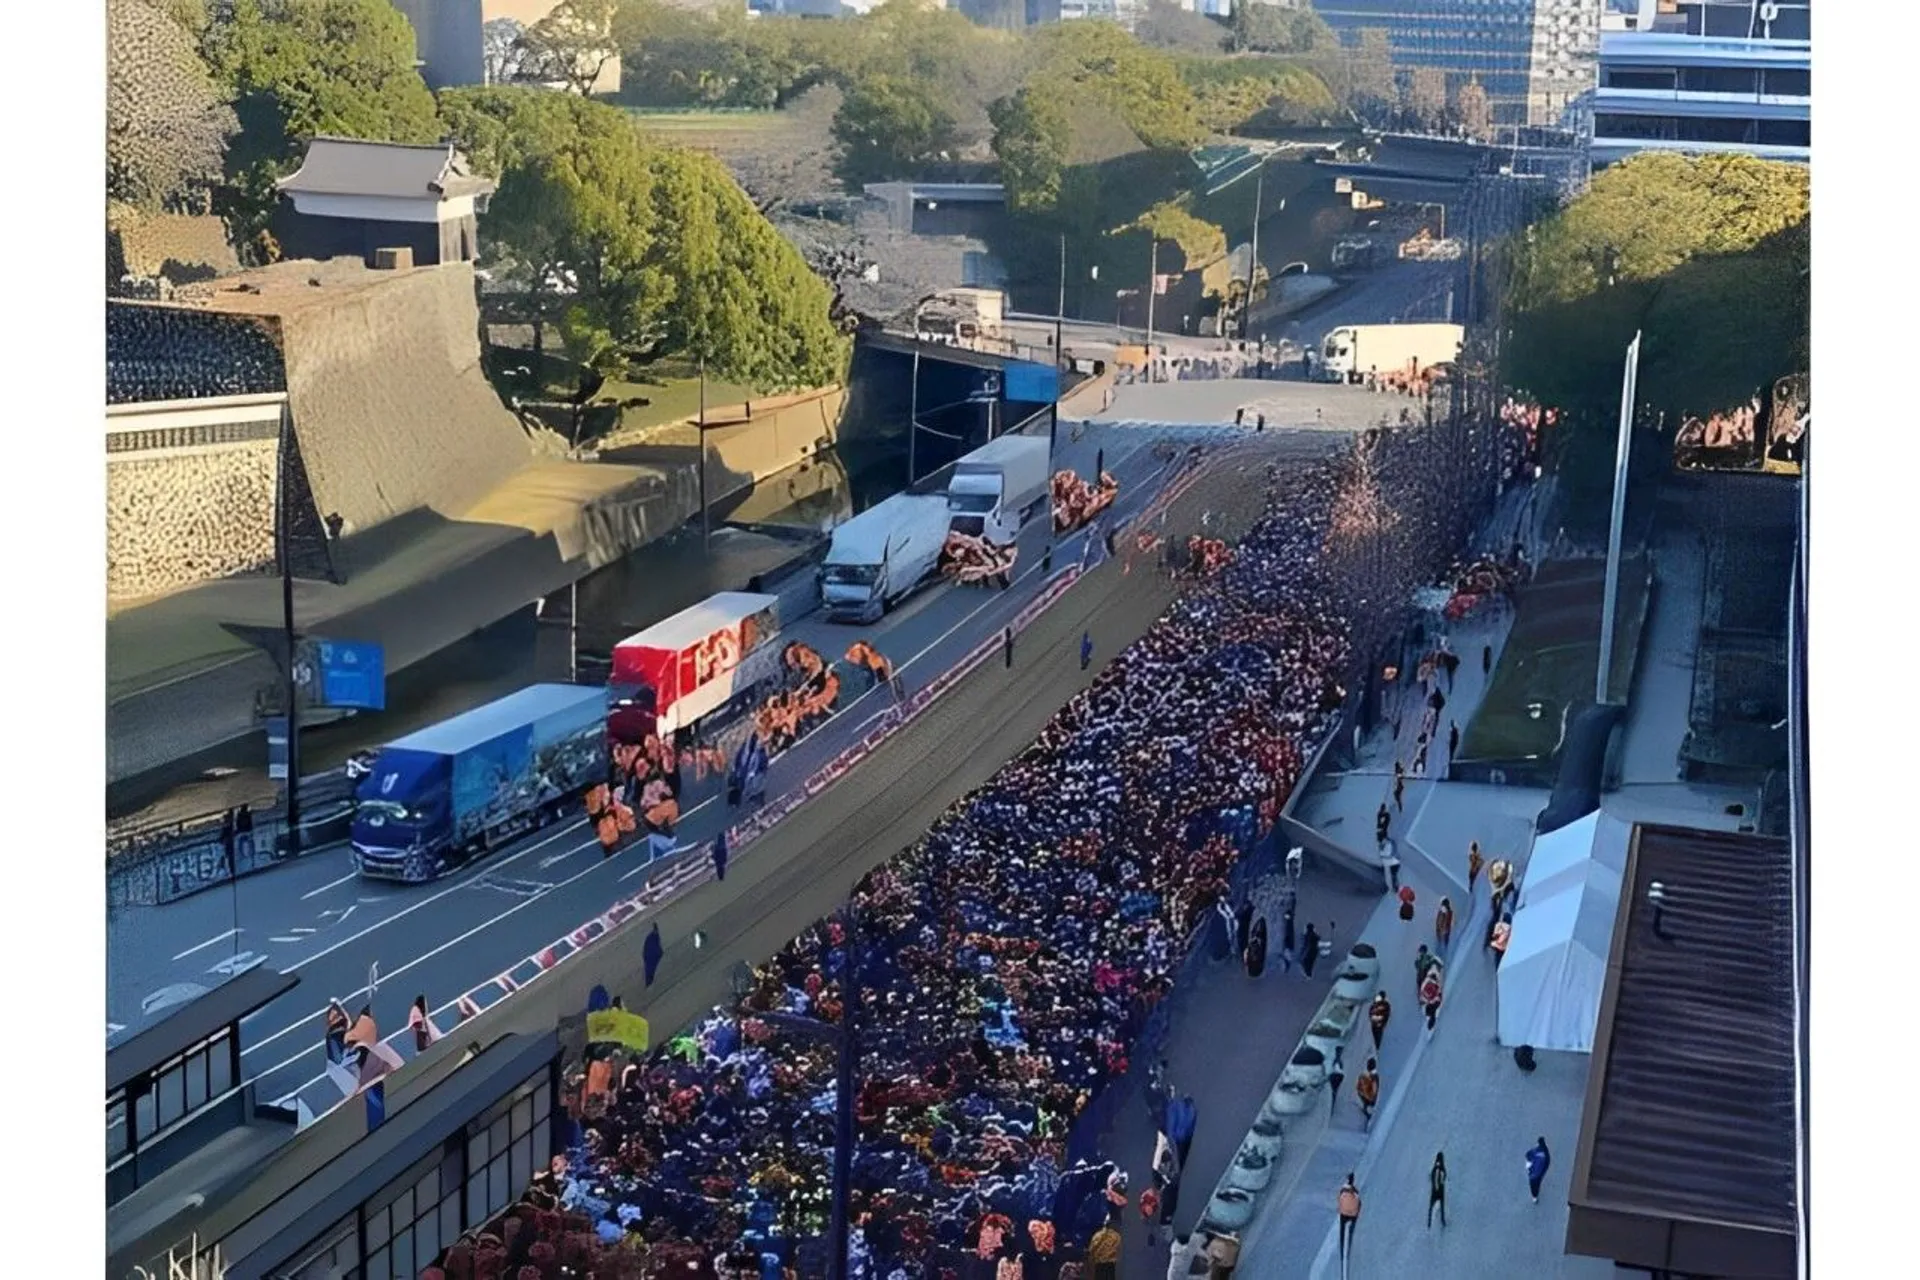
(1443, 922)
(1474, 863)
(1367, 1091)
(1377, 1014)
(1348, 1204)
(1502, 934)
(1406, 902)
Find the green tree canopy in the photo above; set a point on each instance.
(572, 45)
(167, 127)
(1269, 28)
(1165, 25)
(1033, 137)
(888, 128)
(1233, 93)
(1708, 259)
(298, 68)
(1141, 85)
(640, 251)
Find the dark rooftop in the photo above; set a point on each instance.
(1688, 1152)
(188, 1025)
(351, 167)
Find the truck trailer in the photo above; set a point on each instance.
(701, 661)
(1351, 352)
(995, 489)
(447, 794)
(881, 555)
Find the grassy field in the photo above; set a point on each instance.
(670, 388)
(1546, 672)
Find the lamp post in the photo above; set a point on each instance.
(283, 535)
(1153, 288)
(706, 519)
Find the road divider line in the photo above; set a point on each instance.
(210, 942)
(331, 884)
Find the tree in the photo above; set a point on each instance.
(1473, 110)
(1032, 138)
(1269, 28)
(1165, 25)
(1425, 99)
(298, 68)
(167, 128)
(1232, 93)
(503, 50)
(1140, 85)
(572, 45)
(637, 251)
(887, 129)
(1370, 74)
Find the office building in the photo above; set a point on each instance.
(1535, 58)
(1702, 76)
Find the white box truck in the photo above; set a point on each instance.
(1351, 352)
(881, 555)
(995, 490)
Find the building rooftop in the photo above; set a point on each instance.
(295, 285)
(1689, 1143)
(350, 167)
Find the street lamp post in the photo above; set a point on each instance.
(706, 520)
(284, 536)
(1153, 288)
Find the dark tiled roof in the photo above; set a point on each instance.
(351, 167)
(1693, 1113)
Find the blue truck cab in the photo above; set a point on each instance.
(449, 793)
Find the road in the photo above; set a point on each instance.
(318, 919)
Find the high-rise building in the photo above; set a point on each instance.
(1536, 59)
(1704, 76)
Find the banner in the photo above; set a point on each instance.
(1789, 414)
(1767, 433)
(617, 1026)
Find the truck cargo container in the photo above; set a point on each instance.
(881, 555)
(1351, 352)
(449, 793)
(699, 663)
(994, 490)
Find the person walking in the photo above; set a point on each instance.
(1474, 863)
(1183, 1117)
(1366, 1091)
(1423, 960)
(1443, 923)
(1399, 788)
(1336, 1076)
(1381, 822)
(1309, 951)
(1348, 1204)
(1288, 942)
(650, 954)
(1086, 649)
(1437, 1189)
(424, 1032)
(720, 855)
(1539, 1160)
(1420, 757)
(1486, 659)
(1453, 739)
(1103, 1252)
(1006, 645)
(1430, 993)
(1150, 1211)
(1377, 1015)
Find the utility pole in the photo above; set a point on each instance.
(284, 536)
(1253, 257)
(1153, 287)
(1616, 530)
(913, 413)
(706, 519)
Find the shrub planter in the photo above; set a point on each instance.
(1326, 1037)
(1291, 1097)
(1308, 1067)
(1355, 984)
(1229, 1210)
(1265, 1139)
(1250, 1171)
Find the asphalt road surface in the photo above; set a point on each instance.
(316, 917)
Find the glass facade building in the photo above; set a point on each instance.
(1535, 58)
(1706, 76)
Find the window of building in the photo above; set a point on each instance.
(505, 1146)
(1788, 82)
(1637, 78)
(1786, 133)
(415, 1217)
(1719, 79)
(334, 1255)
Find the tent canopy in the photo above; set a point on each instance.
(1559, 858)
(1556, 963)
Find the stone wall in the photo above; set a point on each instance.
(177, 517)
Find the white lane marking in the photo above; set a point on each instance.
(114, 1028)
(331, 884)
(213, 941)
(480, 928)
(429, 900)
(285, 939)
(302, 931)
(233, 966)
(342, 912)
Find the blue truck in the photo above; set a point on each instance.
(447, 794)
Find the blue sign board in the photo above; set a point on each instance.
(1032, 383)
(352, 674)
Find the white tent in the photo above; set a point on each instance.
(1559, 858)
(1556, 964)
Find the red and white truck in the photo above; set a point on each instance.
(700, 661)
